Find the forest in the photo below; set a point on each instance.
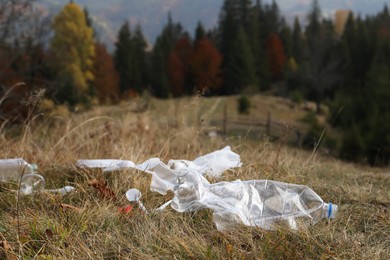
(345, 66)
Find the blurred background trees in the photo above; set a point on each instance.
(343, 63)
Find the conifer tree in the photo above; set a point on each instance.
(322, 65)
(161, 51)
(235, 47)
(285, 35)
(270, 22)
(297, 45)
(313, 28)
(139, 59)
(160, 85)
(123, 57)
(254, 38)
(375, 122)
(199, 32)
(364, 120)
(239, 72)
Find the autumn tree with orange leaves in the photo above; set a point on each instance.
(205, 65)
(276, 56)
(179, 67)
(106, 78)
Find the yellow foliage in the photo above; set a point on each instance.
(49, 109)
(89, 76)
(46, 104)
(292, 64)
(60, 111)
(72, 48)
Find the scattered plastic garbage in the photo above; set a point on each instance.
(261, 203)
(134, 195)
(14, 169)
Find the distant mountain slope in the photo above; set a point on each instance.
(152, 14)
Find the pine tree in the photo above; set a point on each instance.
(272, 18)
(254, 38)
(199, 33)
(286, 38)
(160, 85)
(375, 122)
(235, 20)
(228, 27)
(123, 57)
(297, 41)
(364, 120)
(270, 22)
(313, 28)
(364, 96)
(321, 66)
(239, 72)
(72, 49)
(161, 51)
(294, 69)
(139, 60)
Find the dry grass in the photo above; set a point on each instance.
(95, 229)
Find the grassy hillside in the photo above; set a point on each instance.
(41, 226)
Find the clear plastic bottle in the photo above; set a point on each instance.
(12, 169)
(261, 203)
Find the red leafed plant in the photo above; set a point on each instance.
(101, 186)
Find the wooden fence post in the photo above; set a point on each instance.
(224, 120)
(268, 125)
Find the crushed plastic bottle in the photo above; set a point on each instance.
(261, 203)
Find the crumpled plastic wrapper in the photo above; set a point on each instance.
(165, 176)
